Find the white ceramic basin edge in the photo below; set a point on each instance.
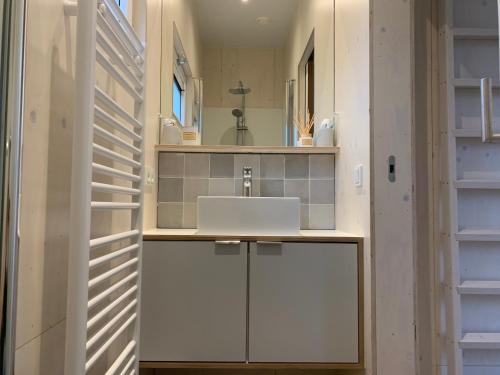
(260, 216)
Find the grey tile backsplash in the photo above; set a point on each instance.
(182, 177)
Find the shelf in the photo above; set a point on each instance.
(247, 149)
(477, 184)
(475, 33)
(467, 133)
(471, 83)
(480, 287)
(479, 235)
(488, 341)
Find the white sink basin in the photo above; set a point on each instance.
(255, 216)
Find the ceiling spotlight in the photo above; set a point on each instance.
(244, 1)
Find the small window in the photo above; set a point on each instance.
(178, 101)
(123, 4)
(182, 93)
(179, 86)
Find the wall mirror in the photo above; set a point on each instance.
(240, 72)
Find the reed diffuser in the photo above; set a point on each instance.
(304, 127)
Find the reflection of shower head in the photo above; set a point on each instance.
(237, 113)
(240, 90)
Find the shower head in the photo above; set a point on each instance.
(237, 113)
(240, 90)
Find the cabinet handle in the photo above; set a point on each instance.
(269, 243)
(236, 242)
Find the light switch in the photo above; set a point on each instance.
(358, 176)
(150, 176)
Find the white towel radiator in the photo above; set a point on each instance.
(107, 185)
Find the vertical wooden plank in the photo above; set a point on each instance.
(434, 186)
(450, 248)
(393, 202)
(427, 183)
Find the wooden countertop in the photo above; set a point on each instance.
(248, 149)
(305, 236)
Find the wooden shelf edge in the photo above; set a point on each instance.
(475, 33)
(478, 341)
(471, 83)
(469, 184)
(478, 235)
(247, 149)
(470, 287)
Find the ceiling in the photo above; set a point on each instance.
(232, 23)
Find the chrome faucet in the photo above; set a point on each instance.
(247, 181)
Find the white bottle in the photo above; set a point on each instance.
(170, 132)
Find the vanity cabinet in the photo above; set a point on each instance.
(257, 303)
(194, 302)
(303, 303)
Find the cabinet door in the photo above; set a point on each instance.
(194, 302)
(303, 304)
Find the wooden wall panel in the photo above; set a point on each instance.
(393, 202)
(261, 69)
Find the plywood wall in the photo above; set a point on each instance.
(47, 158)
(182, 15)
(317, 16)
(261, 69)
(153, 105)
(162, 15)
(392, 240)
(45, 188)
(352, 102)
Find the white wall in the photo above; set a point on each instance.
(352, 102)
(314, 15)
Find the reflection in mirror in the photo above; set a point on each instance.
(244, 71)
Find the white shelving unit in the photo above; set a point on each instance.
(471, 186)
